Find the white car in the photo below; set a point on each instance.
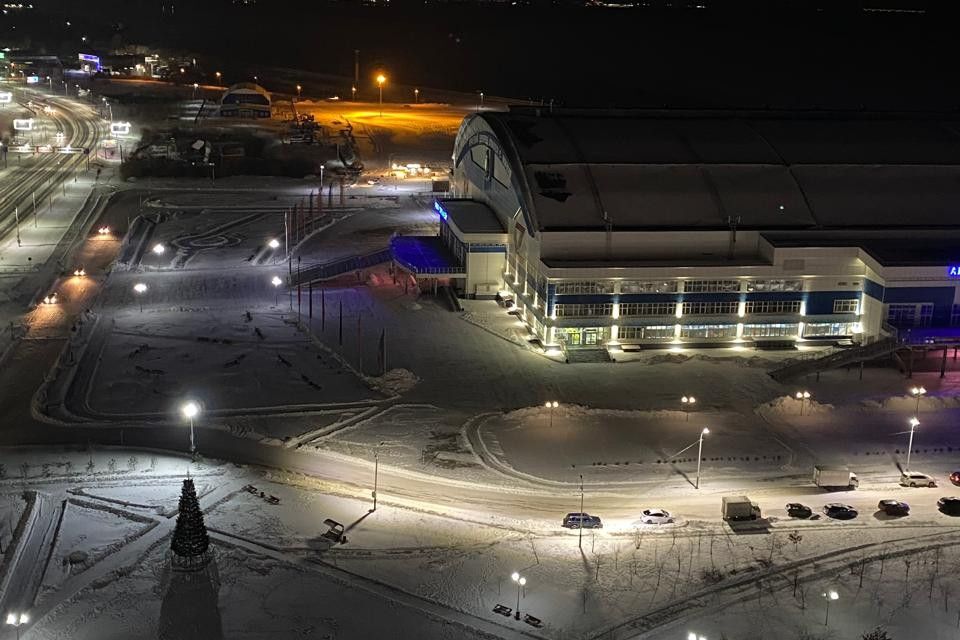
(914, 479)
(656, 516)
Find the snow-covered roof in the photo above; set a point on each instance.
(640, 170)
(471, 217)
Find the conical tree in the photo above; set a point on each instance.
(190, 544)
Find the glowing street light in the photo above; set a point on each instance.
(693, 636)
(416, 96)
(521, 581)
(16, 620)
(688, 402)
(700, 454)
(802, 396)
(140, 289)
(914, 423)
(219, 76)
(918, 392)
(299, 89)
(159, 249)
(196, 86)
(276, 282)
(551, 406)
(380, 80)
(274, 243)
(353, 93)
(829, 596)
(191, 410)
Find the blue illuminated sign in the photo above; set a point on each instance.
(953, 271)
(443, 214)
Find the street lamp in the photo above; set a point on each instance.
(829, 596)
(380, 80)
(917, 392)
(195, 87)
(551, 406)
(276, 282)
(688, 402)
(140, 289)
(159, 249)
(274, 243)
(353, 93)
(376, 473)
(700, 454)
(191, 410)
(520, 580)
(914, 423)
(802, 396)
(299, 89)
(16, 620)
(416, 96)
(219, 75)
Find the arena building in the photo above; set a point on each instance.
(245, 100)
(642, 228)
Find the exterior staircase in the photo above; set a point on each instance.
(883, 346)
(580, 356)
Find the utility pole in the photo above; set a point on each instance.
(356, 72)
(16, 215)
(580, 530)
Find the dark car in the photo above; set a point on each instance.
(894, 507)
(797, 510)
(955, 477)
(949, 505)
(582, 521)
(839, 511)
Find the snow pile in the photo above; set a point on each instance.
(580, 411)
(908, 403)
(395, 381)
(673, 357)
(788, 406)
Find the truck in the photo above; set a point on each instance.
(835, 477)
(740, 508)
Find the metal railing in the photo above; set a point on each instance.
(336, 268)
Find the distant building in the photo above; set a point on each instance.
(245, 100)
(620, 228)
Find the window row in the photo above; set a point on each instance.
(583, 310)
(648, 308)
(652, 286)
(588, 286)
(711, 286)
(846, 306)
(709, 308)
(664, 332)
(775, 285)
(773, 306)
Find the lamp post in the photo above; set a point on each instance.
(159, 249)
(376, 474)
(140, 289)
(914, 423)
(299, 90)
(520, 580)
(829, 596)
(700, 454)
(196, 86)
(688, 402)
(16, 620)
(276, 282)
(353, 93)
(274, 243)
(191, 410)
(551, 406)
(580, 528)
(416, 96)
(802, 396)
(917, 392)
(380, 80)
(219, 76)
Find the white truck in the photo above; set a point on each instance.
(835, 477)
(740, 508)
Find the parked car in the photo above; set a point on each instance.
(582, 521)
(915, 479)
(949, 505)
(955, 477)
(797, 510)
(894, 507)
(656, 516)
(839, 511)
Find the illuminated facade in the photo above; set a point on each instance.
(644, 228)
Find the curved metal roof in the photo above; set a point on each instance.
(655, 170)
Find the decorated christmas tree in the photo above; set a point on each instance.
(190, 545)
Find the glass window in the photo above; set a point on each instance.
(583, 310)
(584, 287)
(648, 308)
(775, 285)
(955, 315)
(662, 332)
(820, 329)
(710, 308)
(773, 306)
(652, 286)
(846, 306)
(772, 330)
(708, 331)
(711, 286)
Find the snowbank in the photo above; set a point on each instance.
(395, 381)
(908, 403)
(785, 406)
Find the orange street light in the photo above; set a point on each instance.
(380, 80)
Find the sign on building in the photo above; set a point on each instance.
(119, 129)
(23, 125)
(6, 97)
